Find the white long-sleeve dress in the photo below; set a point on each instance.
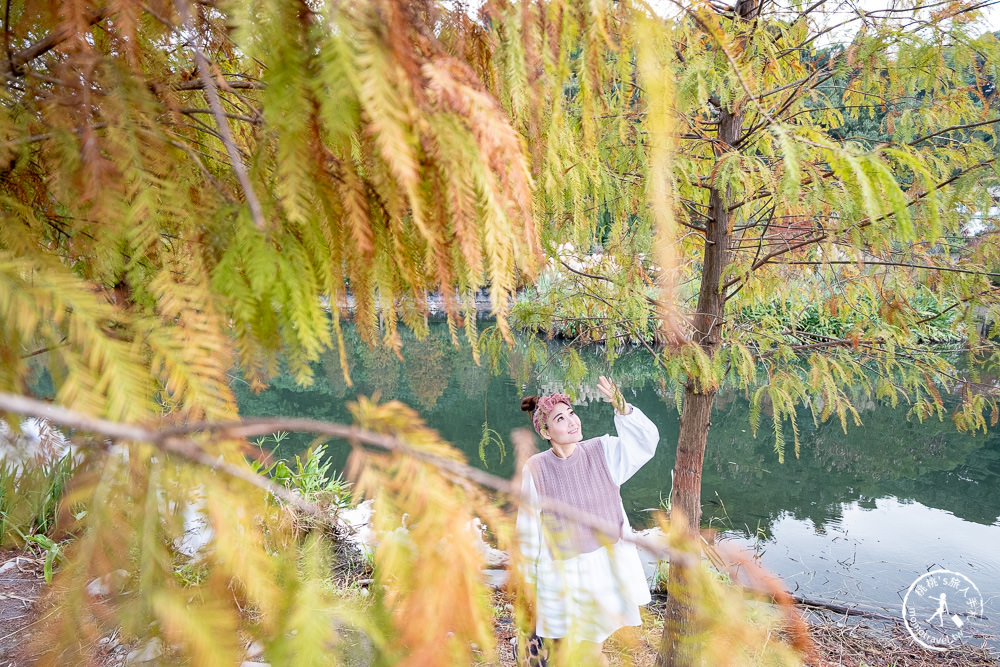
(589, 596)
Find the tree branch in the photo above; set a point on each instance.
(215, 103)
(954, 128)
(16, 62)
(804, 347)
(166, 440)
(35, 138)
(197, 84)
(204, 170)
(859, 225)
(173, 440)
(6, 31)
(584, 274)
(955, 305)
(188, 111)
(768, 121)
(764, 260)
(907, 265)
(43, 350)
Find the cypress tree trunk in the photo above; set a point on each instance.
(677, 648)
(679, 625)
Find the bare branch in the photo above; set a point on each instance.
(188, 111)
(43, 350)
(583, 273)
(954, 128)
(197, 84)
(956, 305)
(931, 267)
(212, 93)
(767, 258)
(16, 62)
(165, 440)
(173, 440)
(819, 33)
(35, 138)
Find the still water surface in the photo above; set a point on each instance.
(855, 518)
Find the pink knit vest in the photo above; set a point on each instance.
(583, 482)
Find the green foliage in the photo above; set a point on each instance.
(589, 297)
(839, 321)
(53, 553)
(30, 498)
(310, 475)
(190, 574)
(349, 142)
(491, 437)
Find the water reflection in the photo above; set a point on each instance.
(869, 555)
(887, 456)
(855, 517)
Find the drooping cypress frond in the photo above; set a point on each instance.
(437, 547)
(133, 267)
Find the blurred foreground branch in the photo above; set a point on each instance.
(175, 440)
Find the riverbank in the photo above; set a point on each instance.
(841, 641)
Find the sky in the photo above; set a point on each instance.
(990, 20)
(992, 17)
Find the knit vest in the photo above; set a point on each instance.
(584, 483)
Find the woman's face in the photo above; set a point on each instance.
(563, 426)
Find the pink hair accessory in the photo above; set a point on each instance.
(544, 408)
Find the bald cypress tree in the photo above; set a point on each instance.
(192, 187)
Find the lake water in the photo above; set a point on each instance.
(855, 519)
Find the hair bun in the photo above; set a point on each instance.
(529, 403)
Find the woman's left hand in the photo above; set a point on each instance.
(613, 394)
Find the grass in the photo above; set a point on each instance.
(309, 474)
(29, 499)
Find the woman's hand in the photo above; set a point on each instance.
(613, 394)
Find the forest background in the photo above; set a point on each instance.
(196, 187)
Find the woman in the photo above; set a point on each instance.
(587, 584)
